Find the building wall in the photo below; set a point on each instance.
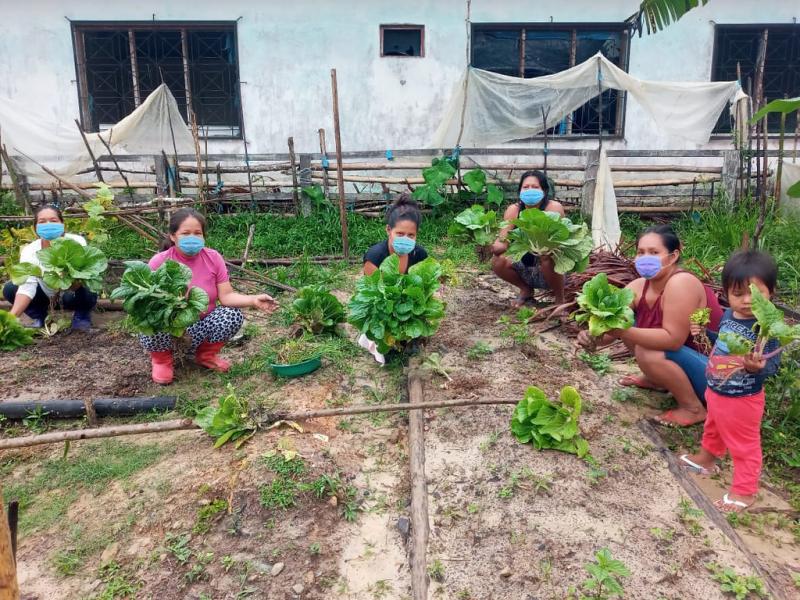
(286, 51)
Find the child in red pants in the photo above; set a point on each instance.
(735, 392)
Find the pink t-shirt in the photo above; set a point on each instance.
(208, 270)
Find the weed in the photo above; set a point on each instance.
(596, 474)
(604, 576)
(207, 513)
(741, 586)
(599, 362)
(662, 535)
(490, 441)
(79, 548)
(690, 516)
(473, 508)
(281, 492)
(796, 580)
(315, 549)
(433, 363)
(177, 544)
(227, 562)
(380, 589)
(281, 465)
(117, 583)
(197, 571)
(436, 570)
(36, 420)
(464, 594)
(479, 350)
(625, 394)
(517, 329)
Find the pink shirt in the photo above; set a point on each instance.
(208, 270)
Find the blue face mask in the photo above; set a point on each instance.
(403, 245)
(50, 231)
(647, 266)
(531, 197)
(191, 244)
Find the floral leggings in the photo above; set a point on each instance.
(220, 325)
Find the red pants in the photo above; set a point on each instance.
(734, 424)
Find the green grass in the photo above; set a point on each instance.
(80, 546)
(46, 493)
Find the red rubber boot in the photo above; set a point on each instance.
(162, 366)
(207, 355)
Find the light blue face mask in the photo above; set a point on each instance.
(50, 231)
(403, 245)
(531, 197)
(191, 244)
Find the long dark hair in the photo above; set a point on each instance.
(52, 207)
(668, 237)
(544, 182)
(404, 208)
(175, 222)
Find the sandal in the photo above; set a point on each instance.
(640, 382)
(726, 505)
(695, 468)
(668, 419)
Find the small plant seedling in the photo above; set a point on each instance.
(604, 576)
(436, 570)
(479, 350)
(690, 516)
(36, 420)
(740, 586)
(599, 363)
(517, 329)
(315, 549)
(227, 562)
(596, 474)
(662, 535)
(433, 362)
(178, 546)
(489, 442)
(473, 508)
(197, 572)
(464, 594)
(207, 513)
(380, 589)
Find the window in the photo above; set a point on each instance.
(402, 40)
(533, 50)
(119, 64)
(738, 45)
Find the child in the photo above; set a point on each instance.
(735, 393)
(402, 222)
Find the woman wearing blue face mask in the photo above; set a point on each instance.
(218, 324)
(531, 271)
(402, 224)
(665, 297)
(33, 297)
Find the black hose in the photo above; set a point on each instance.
(72, 409)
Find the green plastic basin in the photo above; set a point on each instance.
(297, 369)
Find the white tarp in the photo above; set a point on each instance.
(500, 108)
(147, 130)
(606, 231)
(790, 174)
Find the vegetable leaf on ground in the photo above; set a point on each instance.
(548, 425)
(12, 334)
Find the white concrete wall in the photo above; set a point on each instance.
(286, 50)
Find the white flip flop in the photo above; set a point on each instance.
(699, 469)
(737, 503)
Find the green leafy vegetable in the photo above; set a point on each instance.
(548, 425)
(737, 345)
(229, 422)
(475, 180)
(435, 176)
(63, 263)
(295, 350)
(494, 195)
(604, 576)
(12, 334)
(391, 308)
(701, 316)
(317, 310)
(545, 232)
(475, 225)
(604, 306)
(160, 301)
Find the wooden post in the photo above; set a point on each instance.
(324, 154)
(170, 179)
(293, 162)
(589, 183)
(730, 174)
(339, 172)
(137, 98)
(201, 194)
(420, 528)
(23, 198)
(98, 171)
(160, 169)
(759, 102)
(8, 569)
(246, 253)
(305, 181)
(779, 168)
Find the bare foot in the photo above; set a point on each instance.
(681, 417)
(639, 381)
(522, 300)
(734, 503)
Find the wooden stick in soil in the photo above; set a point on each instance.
(250, 233)
(339, 172)
(196, 138)
(712, 512)
(293, 163)
(8, 569)
(419, 487)
(98, 171)
(324, 153)
(113, 431)
(114, 160)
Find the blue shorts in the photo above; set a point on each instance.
(693, 364)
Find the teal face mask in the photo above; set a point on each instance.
(403, 245)
(531, 197)
(191, 244)
(50, 231)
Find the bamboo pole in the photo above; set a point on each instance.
(9, 589)
(324, 152)
(98, 171)
(196, 138)
(420, 528)
(293, 163)
(114, 160)
(340, 175)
